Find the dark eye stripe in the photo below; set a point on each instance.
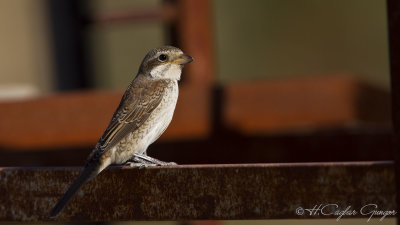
(151, 64)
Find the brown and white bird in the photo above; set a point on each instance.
(145, 111)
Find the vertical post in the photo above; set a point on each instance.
(69, 50)
(195, 36)
(393, 11)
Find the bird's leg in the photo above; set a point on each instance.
(139, 162)
(149, 160)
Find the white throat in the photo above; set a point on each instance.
(167, 71)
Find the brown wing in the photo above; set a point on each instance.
(135, 108)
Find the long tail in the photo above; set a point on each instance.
(88, 173)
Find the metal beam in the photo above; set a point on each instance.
(196, 192)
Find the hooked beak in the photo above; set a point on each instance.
(183, 59)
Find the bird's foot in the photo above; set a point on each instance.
(145, 159)
(139, 164)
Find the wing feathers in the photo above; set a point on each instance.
(135, 108)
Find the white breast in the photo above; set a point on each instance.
(163, 116)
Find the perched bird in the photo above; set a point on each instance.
(145, 111)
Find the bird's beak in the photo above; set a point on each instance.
(183, 59)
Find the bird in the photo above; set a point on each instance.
(144, 113)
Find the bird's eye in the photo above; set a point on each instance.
(162, 58)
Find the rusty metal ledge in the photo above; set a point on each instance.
(241, 191)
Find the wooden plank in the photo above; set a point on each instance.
(77, 119)
(258, 191)
(70, 119)
(305, 103)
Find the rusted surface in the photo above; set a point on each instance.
(252, 191)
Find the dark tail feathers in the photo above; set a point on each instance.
(87, 174)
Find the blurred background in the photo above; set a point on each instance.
(272, 81)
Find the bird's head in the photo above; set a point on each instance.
(164, 62)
